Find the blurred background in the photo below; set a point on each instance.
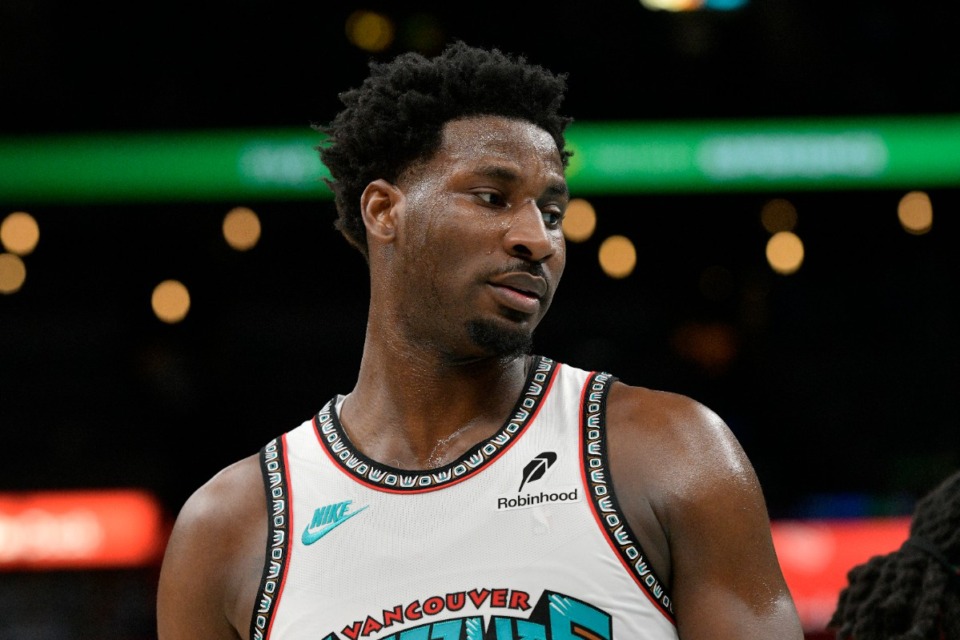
(765, 220)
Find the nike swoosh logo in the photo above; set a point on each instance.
(312, 535)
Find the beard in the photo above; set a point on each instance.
(498, 340)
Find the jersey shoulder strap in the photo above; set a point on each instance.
(606, 508)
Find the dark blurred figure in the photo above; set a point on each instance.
(912, 593)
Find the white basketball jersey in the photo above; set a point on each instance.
(521, 538)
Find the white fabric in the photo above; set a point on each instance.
(458, 559)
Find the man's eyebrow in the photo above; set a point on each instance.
(555, 189)
(497, 171)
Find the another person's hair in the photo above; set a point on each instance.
(912, 593)
(396, 116)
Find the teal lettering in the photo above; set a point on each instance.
(527, 630)
(567, 615)
(516, 629)
(447, 630)
(555, 617)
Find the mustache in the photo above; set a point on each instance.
(522, 266)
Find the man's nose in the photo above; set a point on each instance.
(528, 236)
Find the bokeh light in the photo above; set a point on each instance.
(370, 31)
(241, 228)
(785, 252)
(778, 214)
(580, 221)
(19, 233)
(915, 212)
(618, 256)
(170, 301)
(13, 273)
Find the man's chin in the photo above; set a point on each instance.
(501, 339)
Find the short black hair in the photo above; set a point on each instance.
(397, 114)
(912, 593)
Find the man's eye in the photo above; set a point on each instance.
(552, 219)
(491, 198)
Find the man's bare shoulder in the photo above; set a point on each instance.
(675, 444)
(669, 418)
(232, 491)
(218, 519)
(213, 560)
(680, 472)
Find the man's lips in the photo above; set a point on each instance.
(519, 291)
(525, 283)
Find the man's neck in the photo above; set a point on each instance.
(419, 411)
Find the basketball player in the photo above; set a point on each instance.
(913, 592)
(467, 488)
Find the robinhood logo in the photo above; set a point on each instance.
(532, 472)
(537, 467)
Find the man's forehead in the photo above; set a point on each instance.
(487, 140)
(497, 131)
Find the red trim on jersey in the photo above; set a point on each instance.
(527, 425)
(593, 506)
(288, 547)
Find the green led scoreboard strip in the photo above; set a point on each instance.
(610, 158)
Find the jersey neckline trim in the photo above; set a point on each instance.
(344, 454)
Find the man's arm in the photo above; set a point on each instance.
(678, 461)
(214, 558)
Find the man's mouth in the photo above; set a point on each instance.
(523, 283)
(519, 291)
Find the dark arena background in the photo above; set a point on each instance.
(766, 220)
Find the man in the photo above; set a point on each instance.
(914, 591)
(465, 488)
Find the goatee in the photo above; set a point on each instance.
(499, 341)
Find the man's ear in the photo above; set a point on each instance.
(380, 205)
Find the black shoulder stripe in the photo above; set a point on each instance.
(275, 560)
(602, 496)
